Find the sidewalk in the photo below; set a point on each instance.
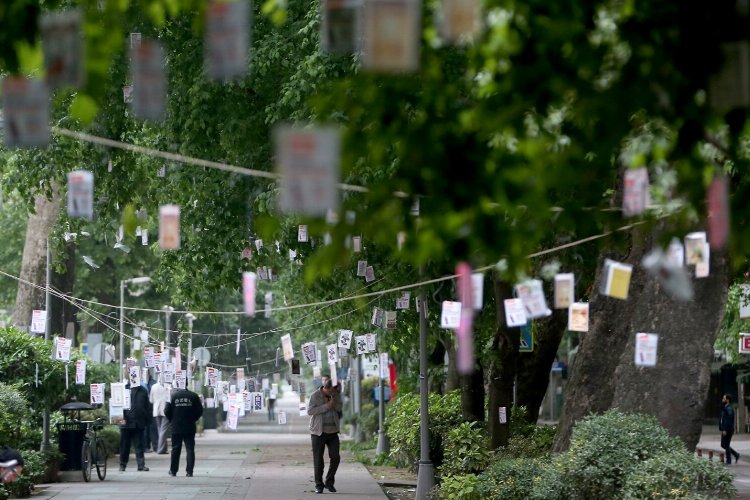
(261, 460)
(711, 439)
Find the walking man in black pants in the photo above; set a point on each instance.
(726, 426)
(183, 411)
(324, 408)
(131, 428)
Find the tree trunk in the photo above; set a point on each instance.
(534, 367)
(451, 376)
(502, 369)
(34, 260)
(61, 311)
(472, 395)
(604, 375)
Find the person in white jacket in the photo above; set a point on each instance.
(159, 397)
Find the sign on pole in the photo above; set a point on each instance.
(744, 343)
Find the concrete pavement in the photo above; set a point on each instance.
(260, 460)
(711, 439)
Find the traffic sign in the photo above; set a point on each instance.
(527, 339)
(744, 343)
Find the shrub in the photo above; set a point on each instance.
(465, 450)
(678, 475)
(461, 487)
(537, 443)
(511, 479)
(15, 417)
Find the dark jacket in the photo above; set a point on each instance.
(726, 419)
(183, 411)
(138, 415)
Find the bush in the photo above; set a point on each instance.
(512, 479)
(679, 475)
(537, 443)
(465, 450)
(461, 487)
(15, 419)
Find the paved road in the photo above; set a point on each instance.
(711, 439)
(262, 460)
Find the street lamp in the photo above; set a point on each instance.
(123, 283)
(190, 317)
(168, 335)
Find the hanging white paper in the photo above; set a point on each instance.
(286, 346)
(38, 321)
(149, 80)
(81, 194)
(403, 301)
(616, 282)
(564, 290)
(450, 316)
(361, 268)
(515, 314)
(703, 268)
(636, 196)
(332, 350)
(675, 254)
(532, 295)
(169, 227)
(62, 43)
(578, 317)
(391, 35)
(232, 416)
(345, 339)
(384, 372)
(369, 274)
(25, 112)
(97, 393)
(361, 342)
(81, 372)
(227, 39)
(372, 340)
(477, 290)
(645, 349)
(134, 376)
(282, 418)
(309, 353)
(248, 292)
(378, 317)
(390, 319)
(62, 348)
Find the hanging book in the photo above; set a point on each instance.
(694, 247)
(369, 274)
(333, 352)
(645, 349)
(62, 43)
(340, 26)
(460, 20)
(450, 315)
(357, 244)
(361, 268)
(616, 282)
(25, 113)
(227, 39)
(345, 339)
(81, 194)
(62, 348)
(97, 393)
(390, 319)
(371, 339)
(286, 346)
(378, 317)
(636, 195)
(403, 301)
(149, 81)
(361, 343)
(308, 161)
(81, 372)
(532, 295)
(578, 317)
(310, 353)
(302, 233)
(391, 35)
(169, 227)
(515, 313)
(672, 278)
(564, 290)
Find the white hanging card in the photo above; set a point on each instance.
(384, 372)
(38, 321)
(149, 80)
(532, 295)
(361, 342)
(211, 377)
(361, 268)
(477, 290)
(282, 418)
(578, 317)
(248, 293)
(616, 282)
(308, 161)
(332, 351)
(227, 39)
(169, 370)
(180, 379)
(636, 196)
(286, 346)
(378, 317)
(232, 416)
(117, 394)
(97, 393)
(134, 376)
(390, 320)
(302, 233)
(357, 244)
(372, 340)
(345, 339)
(62, 43)
(703, 268)
(340, 26)
(460, 20)
(391, 35)
(515, 314)
(645, 349)
(564, 290)
(257, 401)
(25, 112)
(81, 372)
(403, 301)
(694, 246)
(310, 353)
(369, 274)
(450, 317)
(169, 227)
(675, 254)
(81, 194)
(62, 348)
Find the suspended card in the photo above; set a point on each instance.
(372, 340)
(675, 253)
(38, 321)
(232, 417)
(616, 279)
(257, 400)
(25, 112)
(282, 418)
(378, 317)
(62, 43)
(180, 379)
(636, 192)
(303, 409)
(645, 349)
(62, 348)
(361, 268)
(80, 372)
(211, 376)
(134, 376)
(97, 393)
(149, 81)
(391, 35)
(117, 394)
(403, 301)
(169, 227)
(333, 351)
(672, 277)
(308, 160)
(694, 243)
(361, 342)
(744, 301)
(532, 295)
(227, 39)
(345, 339)
(578, 317)
(356, 244)
(334, 374)
(460, 20)
(564, 290)
(310, 353)
(718, 212)
(135, 40)
(302, 233)
(390, 319)
(340, 26)
(369, 274)
(384, 371)
(248, 293)
(450, 316)
(477, 290)
(703, 268)
(515, 314)
(286, 346)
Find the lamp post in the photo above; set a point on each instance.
(123, 284)
(168, 335)
(190, 317)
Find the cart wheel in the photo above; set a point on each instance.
(101, 459)
(86, 461)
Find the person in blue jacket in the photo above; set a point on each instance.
(726, 426)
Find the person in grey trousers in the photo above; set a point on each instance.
(159, 397)
(324, 408)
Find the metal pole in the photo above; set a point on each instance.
(190, 319)
(122, 328)
(47, 325)
(168, 336)
(356, 392)
(382, 441)
(426, 473)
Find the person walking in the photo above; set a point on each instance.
(183, 411)
(159, 398)
(149, 432)
(131, 427)
(726, 426)
(324, 407)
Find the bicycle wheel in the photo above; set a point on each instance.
(101, 459)
(86, 460)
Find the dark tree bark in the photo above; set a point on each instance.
(451, 376)
(61, 311)
(604, 374)
(34, 260)
(502, 369)
(534, 367)
(472, 395)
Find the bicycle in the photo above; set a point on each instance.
(93, 450)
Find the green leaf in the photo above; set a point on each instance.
(83, 108)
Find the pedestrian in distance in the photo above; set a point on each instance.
(159, 398)
(149, 432)
(132, 425)
(726, 426)
(183, 411)
(324, 407)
